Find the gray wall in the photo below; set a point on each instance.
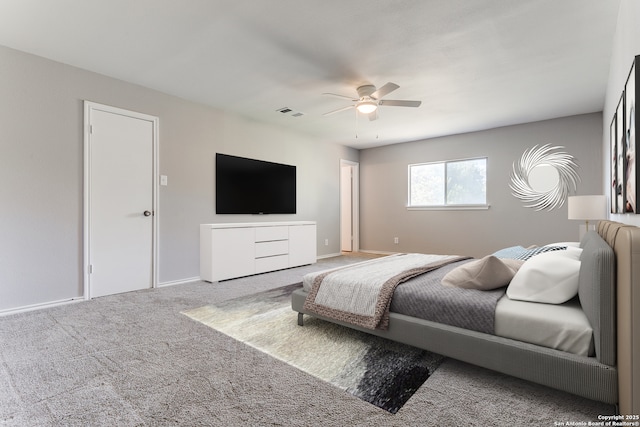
(383, 178)
(626, 45)
(41, 175)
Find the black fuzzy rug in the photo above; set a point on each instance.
(376, 370)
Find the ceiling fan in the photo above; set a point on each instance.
(370, 98)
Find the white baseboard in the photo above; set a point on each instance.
(179, 282)
(49, 304)
(328, 256)
(40, 306)
(367, 251)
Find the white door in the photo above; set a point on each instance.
(120, 200)
(346, 209)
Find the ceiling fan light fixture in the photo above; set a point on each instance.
(367, 107)
(369, 99)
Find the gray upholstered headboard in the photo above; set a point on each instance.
(625, 241)
(597, 293)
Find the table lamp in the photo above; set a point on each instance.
(587, 208)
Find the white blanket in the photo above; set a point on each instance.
(361, 293)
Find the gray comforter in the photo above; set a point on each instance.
(424, 297)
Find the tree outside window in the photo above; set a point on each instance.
(451, 183)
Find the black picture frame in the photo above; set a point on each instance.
(619, 193)
(630, 129)
(613, 158)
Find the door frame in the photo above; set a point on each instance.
(89, 106)
(355, 203)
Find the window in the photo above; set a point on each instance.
(451, 184)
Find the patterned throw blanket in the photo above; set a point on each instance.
(360, 294)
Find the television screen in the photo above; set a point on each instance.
(248, 186)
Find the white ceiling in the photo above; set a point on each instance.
(474, 64)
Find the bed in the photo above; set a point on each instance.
(589, 355)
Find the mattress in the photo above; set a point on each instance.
(562, 327)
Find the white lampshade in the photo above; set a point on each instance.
(366, 107)
(587, 207)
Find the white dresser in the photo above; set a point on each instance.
(234, 250)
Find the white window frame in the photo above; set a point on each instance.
(479, 206)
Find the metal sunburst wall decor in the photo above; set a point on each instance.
(544, 177)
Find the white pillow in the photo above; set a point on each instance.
(551, 277)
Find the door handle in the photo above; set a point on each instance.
(146, 213)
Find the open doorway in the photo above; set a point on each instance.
(349, 206)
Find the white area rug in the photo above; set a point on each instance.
(374, 369)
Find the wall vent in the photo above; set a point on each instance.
(288, 111)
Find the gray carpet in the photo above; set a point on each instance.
(134, 360)
(376, 370)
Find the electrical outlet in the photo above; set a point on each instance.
(326, 242)
(396, 240)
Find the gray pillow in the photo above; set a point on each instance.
(484, 274)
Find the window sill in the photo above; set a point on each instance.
(449, 208)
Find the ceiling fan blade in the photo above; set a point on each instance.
(398, 103)
(348, 107)
(384, 90)
(340, 96)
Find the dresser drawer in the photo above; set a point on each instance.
(267, 249)
(272, 263)
(265, 234)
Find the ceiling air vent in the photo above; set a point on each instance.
(288, 111)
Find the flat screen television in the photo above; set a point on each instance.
(248, 186)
